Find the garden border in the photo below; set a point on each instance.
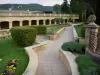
(57, 34)
(33, 61)
(33, 57)
(69, 61)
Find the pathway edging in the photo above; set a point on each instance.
(69, 60)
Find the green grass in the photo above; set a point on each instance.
(80, 30)
(87, 66)
(53, 29)
(9, 50)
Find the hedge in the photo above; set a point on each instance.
(73, 47)
(23, 36)
(40, 29)
(87, 66)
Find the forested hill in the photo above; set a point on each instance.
(30, 7)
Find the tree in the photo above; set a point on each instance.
(75, 6)
(95, 5)
(57, 8)
(83, 7)
(78, 7)
(93, 8)
(65, 8)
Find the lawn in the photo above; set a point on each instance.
(80, 30)
(54, 29)
(9, 50)
(87, 66)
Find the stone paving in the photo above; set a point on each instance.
(49, 62)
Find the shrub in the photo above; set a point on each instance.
(23, 36)
(73, 47)
(40, 29)
(86, 66)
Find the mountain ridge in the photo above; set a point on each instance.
(25, 7)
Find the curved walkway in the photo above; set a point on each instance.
(49, 62)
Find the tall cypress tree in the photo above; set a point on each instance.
(65, 8)
(95, 5)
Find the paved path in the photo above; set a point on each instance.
(49, 63)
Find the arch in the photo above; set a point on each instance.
(15, 23)
(52, 21)
(25, 22)
(40, 22)
(4, 25)
(34, 22)
(57, 20)
(66, 20)
(47, 22)
(70, 19)
(77, 20)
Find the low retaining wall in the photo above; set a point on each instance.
(80, 40)
(41, 46)
(33, 58)
(57, 34)
(33, 62)
(94, 56)
(69, 61)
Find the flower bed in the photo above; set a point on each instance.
(11, 67)
(9, 50)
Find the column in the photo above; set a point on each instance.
(73, 20)
(29, 23)
(10, 25)
(63, 21)
(0, 25)
(21, 23)
(93, 40)
(91, 36)
(49, 22)
(87, 30)
(55, 22)
(37, 22)
(44, 22)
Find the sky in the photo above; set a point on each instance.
(43, 2)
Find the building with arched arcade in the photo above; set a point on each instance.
(9, 19)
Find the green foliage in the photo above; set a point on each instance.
(80, 30)
(77, 6)
(65, 7)
(40, 29)
(53, 29)
(73, 47)
(30, 7)
(9, 50)
(57, 8)
(23, 36)
(86, 66)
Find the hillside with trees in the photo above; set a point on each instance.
(30, 7)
